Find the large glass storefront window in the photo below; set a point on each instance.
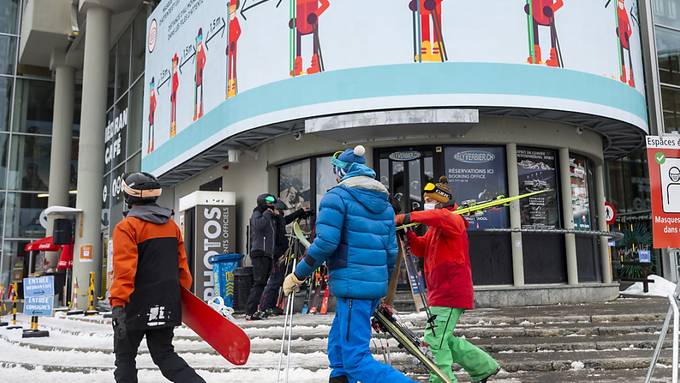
(30, 163)
(23, 215)
(295, 185)
(33, 107)
(667, 31)
(8, 53)
(9, 21)
(5, 102)
(537, 170)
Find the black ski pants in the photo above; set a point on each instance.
(262, 266)
(162, 352)
(271, 291)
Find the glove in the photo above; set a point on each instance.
(290, 284)
(548, 11)
(429, 5)
(312, 18)
(402, 219)
(119, 326)
(308, 214)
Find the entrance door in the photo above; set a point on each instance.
(404, 172)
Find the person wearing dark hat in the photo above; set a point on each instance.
(271, 291)
(355, 236)
(149, 268)
(445, 250)
(262, 248)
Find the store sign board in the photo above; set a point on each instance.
(214, 235)
(39, 296)
(663, 157)
(610, 213)
(537, 170)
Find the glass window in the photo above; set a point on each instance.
(23, 215)
(73, 185)
(325, 179)
(34, 102)
(123, 63)
(670, 99)
(134, 164)
(8, 54)
(138, 44)
(668, 52)
(29, 163)
(581, 181)
(5, 101)
(115, 135)
(8, 16)
(4, 141)
(537, 170)
(111, 89)
(135, 118)
(666, 12)
(294, 184)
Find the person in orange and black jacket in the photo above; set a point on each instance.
(149, 268)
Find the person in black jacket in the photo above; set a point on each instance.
(262, 248)
(271, 291)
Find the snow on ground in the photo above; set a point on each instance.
(660, 288)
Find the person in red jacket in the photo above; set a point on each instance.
(200, 66)
(448, 276)
(173, 95)
(149, 269)
(431, 34)
(624, 32)
(306, 22)
(543, 12)
(153, 103)
(234, 34)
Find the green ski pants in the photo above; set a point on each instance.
(448, 348)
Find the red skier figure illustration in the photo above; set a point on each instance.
(624, 31)
(306, 22)
(234, 34)
(152, 114)
(430, 46)
(198, 78)
(542, 13)
(173, 95)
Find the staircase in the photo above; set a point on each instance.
(605, 342)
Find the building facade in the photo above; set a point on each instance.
(218, 97)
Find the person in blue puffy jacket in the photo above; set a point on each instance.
(356, 237)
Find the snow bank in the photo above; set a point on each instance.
(660, 288)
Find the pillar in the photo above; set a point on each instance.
(602, 223)
(91, 150)
(515, 216)
(62, 133)
(568, 217)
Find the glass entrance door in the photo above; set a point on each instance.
(404, 172)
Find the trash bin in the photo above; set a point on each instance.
(243, 278)
(224, 266)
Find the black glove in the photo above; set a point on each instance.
(308, 214)
(119, 326)
(548, 11)
(429, 5)
(312, 18)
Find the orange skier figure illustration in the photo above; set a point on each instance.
(432, 40)
(152, 114)
(543, 12)
(624, 31)
(198, 78)
(173, 95)
(234, 34)
(306, 22)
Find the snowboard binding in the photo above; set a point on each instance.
(217, 304)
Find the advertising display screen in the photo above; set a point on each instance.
(537, 170)
(580, 192)
(478, 174)
(221, 67)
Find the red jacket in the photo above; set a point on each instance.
(304, 9)
(445, 249)
(152, 106)
(538, 8)
(234, 31)
(625, 30)
(200, 63)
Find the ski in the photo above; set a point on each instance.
(416, 281)
(406, 339)
(530, 31)
(471, 207)
(228, 339)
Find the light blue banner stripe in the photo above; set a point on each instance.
(404, 80)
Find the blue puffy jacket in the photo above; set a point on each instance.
(355, 236)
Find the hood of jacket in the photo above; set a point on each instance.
(358, 170)
(150, 213)
(367, 191)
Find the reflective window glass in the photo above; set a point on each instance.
(138, 44)
(294, 185)
(8, 51)
(5, 101)
(668, 52)
(23, 215)
(135, 118)
(670, 99)
(8, 16)
(4, 141)
(123, 64)
(33, 109)
(666, 12)
(29, 163)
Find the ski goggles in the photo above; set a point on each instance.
(270, 199)
(337, 164)
(433, 188)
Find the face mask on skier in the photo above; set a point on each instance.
(429, 206)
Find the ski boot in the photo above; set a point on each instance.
(631, 82)
(425, 54)
(232, 88)
(623, 74)
(259, 315)
(274, 311)
(536, 58)
(315, 67)
(297, 67)
(553, 61)
(173, 129)
(437, 54)
(485, 380)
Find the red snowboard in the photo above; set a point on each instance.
(225, 337)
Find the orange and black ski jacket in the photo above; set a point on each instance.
(149, 266)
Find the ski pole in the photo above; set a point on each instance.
(415, 37)
(557, 41)
(440, 36)
(287, 325)
(290, 334)
(318, 45)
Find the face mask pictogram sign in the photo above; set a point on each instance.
(663, 154)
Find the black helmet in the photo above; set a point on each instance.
(141, 188)
(265, 201)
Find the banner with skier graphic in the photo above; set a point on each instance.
(218, 68)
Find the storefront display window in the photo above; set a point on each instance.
(34, 110)
(30, 163)
(295, 185)
(537, 170)
(23, 215)
(325, 179)
(476, 174)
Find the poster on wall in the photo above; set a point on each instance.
(537, 170)
(221, 67)
(294, 185)
(214, 234)
(478, 173)
(663, 157)
(580, 193)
